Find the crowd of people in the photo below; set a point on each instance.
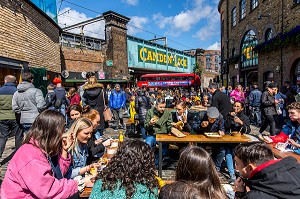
(60, 137)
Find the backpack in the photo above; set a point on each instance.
(57, 103)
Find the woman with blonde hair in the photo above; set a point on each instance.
(81, 129)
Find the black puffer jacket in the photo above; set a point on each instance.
(230, 124)
(93, 94)
(268, 103)
(142, 105)
(276, 180)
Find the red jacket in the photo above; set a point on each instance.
(75, 99)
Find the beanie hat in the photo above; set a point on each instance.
(56, 80)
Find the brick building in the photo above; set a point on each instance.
(81, 53)
(28, 39)
(210, 61)
(260, 41)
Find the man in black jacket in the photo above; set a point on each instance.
(265, 177)
(219, 99)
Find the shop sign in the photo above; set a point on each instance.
(152, 55)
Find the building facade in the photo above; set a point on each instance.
(28, 39)
(260, 41)
(211, 63)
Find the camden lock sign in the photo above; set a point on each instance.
(151, 55)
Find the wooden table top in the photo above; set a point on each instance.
(283, 154)
(86, 192)
(202, 138)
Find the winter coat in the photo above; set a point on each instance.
(162, 126)
(117, 99)
(237, 127)
(142, 105)
(221, 101)
(238, 95)
(268, 103)
(93, 149)
(132, 111)
(218, 125)
(289, 130)
(60, 93)
(28, 101)
(75, 99)
(255, 98)
(50, 100)
(6, 95)
(274, 179)
(29, 175)
(95, 97)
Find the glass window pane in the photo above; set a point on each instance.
(248, 56)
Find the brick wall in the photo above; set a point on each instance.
(272, 18)
(29, 36)
(77, 60)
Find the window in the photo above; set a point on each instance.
(248, 56)
(254, 4)
(269, 34)
(242, 9)
(233, 17)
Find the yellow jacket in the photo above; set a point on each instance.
(132, 111)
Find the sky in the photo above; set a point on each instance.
(187, 24)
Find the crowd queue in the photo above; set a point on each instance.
(60, 137)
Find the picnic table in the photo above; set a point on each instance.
(282, 154)
(227, 139)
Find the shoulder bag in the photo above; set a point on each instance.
(107, 112)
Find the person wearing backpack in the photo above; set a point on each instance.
(50, 97)
(61, 101)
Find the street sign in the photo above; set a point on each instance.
(109, 62)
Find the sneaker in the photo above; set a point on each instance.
(232, 179)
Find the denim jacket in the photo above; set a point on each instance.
(79, 159)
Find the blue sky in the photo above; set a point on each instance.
(187, 24)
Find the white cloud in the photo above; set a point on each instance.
(215, 46)
(68, 17)
(131, 2)
(197, 11)
(136, 24)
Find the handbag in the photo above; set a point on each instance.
(107, 112)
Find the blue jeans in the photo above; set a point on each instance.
(218, 155)
(143, 131)
(26, 127)
(256, 115)
(151, 141)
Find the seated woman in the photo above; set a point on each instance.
(81, 129)
(129, 174)
(238, 120)
(74, 112)
(291, 130)
(187, 118)
(30, 172)
(95, 144)
(196, 169)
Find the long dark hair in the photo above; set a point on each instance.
(133, 163)
(195, 165)
(46, 132)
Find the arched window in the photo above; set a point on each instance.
(248, 56)
(269, 34)
(242, 9)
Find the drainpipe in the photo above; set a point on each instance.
(281, 48)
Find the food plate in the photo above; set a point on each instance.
(213, 135)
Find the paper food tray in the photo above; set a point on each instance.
(213, 134)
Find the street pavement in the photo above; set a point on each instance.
(169, 166)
